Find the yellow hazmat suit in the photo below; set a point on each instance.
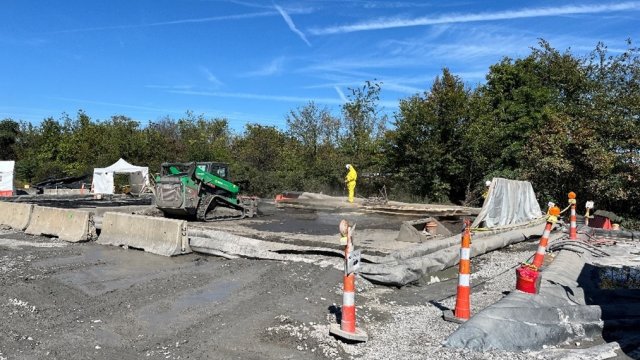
(350, 180)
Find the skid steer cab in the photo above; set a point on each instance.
(201, 190)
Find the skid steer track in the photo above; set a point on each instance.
(209, 203)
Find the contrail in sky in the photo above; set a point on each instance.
(390, 23)
(341, 94)
(292, 26)
(282, 98)
(174, 22)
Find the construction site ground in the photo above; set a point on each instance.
(61, 300)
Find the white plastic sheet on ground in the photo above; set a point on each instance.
(103, 177)
(508, 202)
(6, 176)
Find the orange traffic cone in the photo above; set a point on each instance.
(462, 310)
(347, 328)
(528, 275)
(573, 223)
(538, 259)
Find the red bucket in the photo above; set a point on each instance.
(528, 279)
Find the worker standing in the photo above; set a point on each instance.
(350, 180)
(485, 193)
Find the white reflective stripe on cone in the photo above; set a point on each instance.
(465, 253)
(542, 249)
(546, 233)
(464, 279)
(348, 299)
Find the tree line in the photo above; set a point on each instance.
(563, 122)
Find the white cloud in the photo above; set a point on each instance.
(272, 68)
(211, 78)
(291, 25)
(283, 98)
(110, 104)
(169, 87)
(390, 23)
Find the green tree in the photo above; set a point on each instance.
(511, 111)
(426, 148)
(316, 133)
(9, 132)
(364, 126)
(204, 139)
(263, 161)
(162, 143)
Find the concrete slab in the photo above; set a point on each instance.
(448, 315)
(160, 236)
(325, 202)
(415, 231)
(358, 336)
(66, 224)
(14, 215)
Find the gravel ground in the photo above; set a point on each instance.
(79, 301)
(407, 323)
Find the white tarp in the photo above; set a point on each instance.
(103, 177)
(508, 202)
(6, 176)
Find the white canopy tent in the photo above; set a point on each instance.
(103, 177)
(6, 178)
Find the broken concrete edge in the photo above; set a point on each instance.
(409, 232)
(534, 228)
(224, 238)
(232, 246)
(321, 201)
(67, 224)
(161, 236)
(601, 351)
(421, 259)
(522, 321)
(358, 336)
(448, 315)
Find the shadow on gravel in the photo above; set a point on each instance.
(617, 292)
(438, 305)
(337, 312)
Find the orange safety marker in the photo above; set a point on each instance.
(462, 310)
(573, 223)
(538, 259)
(347, 328)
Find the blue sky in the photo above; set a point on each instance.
(253, 61)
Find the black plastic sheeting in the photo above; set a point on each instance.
(570, 306)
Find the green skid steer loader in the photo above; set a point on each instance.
(201, 190)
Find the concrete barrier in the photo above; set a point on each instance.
(63, 191)
(15, 215)
(160, 236)
(66, 224)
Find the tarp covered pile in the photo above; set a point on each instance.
(508, 202)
